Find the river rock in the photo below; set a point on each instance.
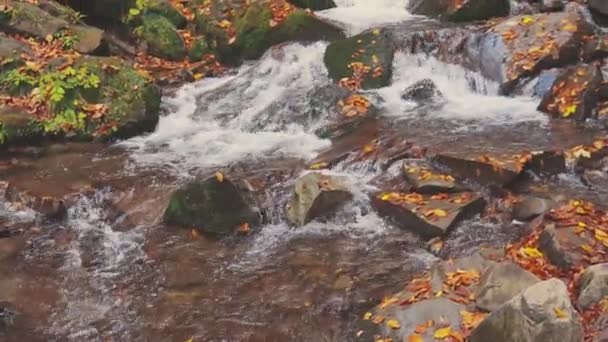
(366, 59)
(501, 282)
(30, 20)
(425, 180)
(410, 316)
(476, 263)
(593, 285)
(562, 246)
(483, 169)
(421, 92)
(7, 317)
(90, 40)
(428, 215)
(468, 10)
(162, 37)
(599, 6)
(315, 5)
(316, 195)
(541, 313)
(214, 206)
(574, 95)
(531, 207)
(523, 46)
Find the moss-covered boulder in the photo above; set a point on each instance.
(315, 5)
(167, 10)
(255, 34)
(162, 37)
(131, 98)
(198, 50)
(214, 206)
(366, 58)
(30, 20)
(17, 126)
(107, 10)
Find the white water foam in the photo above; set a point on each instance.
(356, 16)
(468, 95)
(249, 115)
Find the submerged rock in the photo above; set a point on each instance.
(30, 20)
(426, 215)
(483, 169)
(421, 92)
(366, 59)
(562, 246)
(541, 313)
(214, 206)
(574, 94)
(501, 282)
(593, 286)
(316, 195)
(468, 10)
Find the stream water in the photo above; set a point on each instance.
(121, 275)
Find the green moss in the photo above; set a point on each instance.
(198, 50)
(315, 5)
(371, 48)
(211, 206)
(165, 9)
(17, 126)
(252, 32)
(162, 37)
(479, 10)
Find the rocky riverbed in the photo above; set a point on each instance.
(418, 170)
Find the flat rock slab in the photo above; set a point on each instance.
(484, 169)
(428, 215)
(425, 180)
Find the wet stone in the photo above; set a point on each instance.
(501, 282)
(428, 215)
(531, 207)
(425, 180)
(476, 263)
(574, 95)
(7, 317)
(421, 92)
(562, 246)
(316, 195)
(485, 170)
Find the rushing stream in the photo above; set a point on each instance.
(121, 280)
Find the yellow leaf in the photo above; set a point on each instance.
(191, 339)
(198, 76)
(440, 213)
(376, 32)
(599, 144)
(367, 316)
(570, 27)
(531, 252)
(415, 338)
(442, 333)
(219, 176)
(318, 166)
(571, 109)
(527, 20)
(375, 59)
(559, 313)
(49, 38)
(232, 40)
(393, 324)
(224, 23)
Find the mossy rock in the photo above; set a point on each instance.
(198, 50)
(107, 10)
(216, 38)
(63, 12)
(167, 10)
(17, 126)
(132, 99)
(255, 35)
(212, 206)
(10, 52)
(162, 38)
(373, 49)
(479, 10)
(315, 5)
(30, 20)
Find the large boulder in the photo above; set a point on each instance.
(30, 20)
(574, 94)
(214, 206)
(593, 286)
(523, 46)
(531, 207)
(316, 195)
(599, 6)
(468, 10)
(255, 35)
(162, 37)
(363, 61)
(541, 313)
(315, 5)
(17, 126)
(501, 282)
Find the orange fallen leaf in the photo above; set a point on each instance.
(219, 176)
